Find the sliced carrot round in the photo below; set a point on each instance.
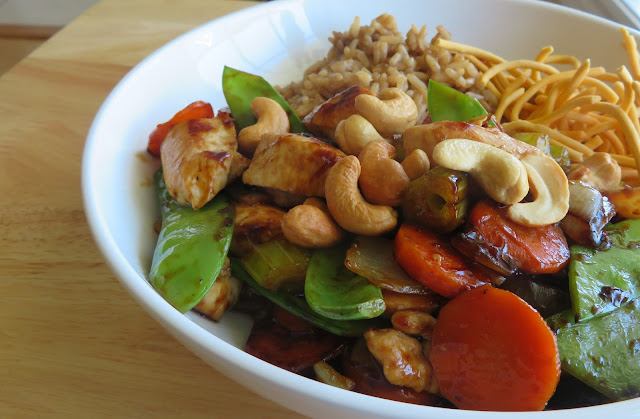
(429, 259)
(534, 250)
(492, 351)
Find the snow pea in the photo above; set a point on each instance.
(277, 264)
(603, 352)
(335, 292)
(241, 88)
(191, 248)
(299, 307)
(448, 104)
(602, 280)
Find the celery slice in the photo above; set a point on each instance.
(277, 263)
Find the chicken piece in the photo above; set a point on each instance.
(239, 164)
(284, 199)
(414, 322)
(598, 170)
(222, 296)
(197, 157)
(245, 194)
(426, 137)
(293, 163)
(395, 301)
(403, 361)
(324, 119)
(255, 224)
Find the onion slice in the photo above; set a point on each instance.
(372, 257)
(589, 212)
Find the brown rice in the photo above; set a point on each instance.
(379, 56)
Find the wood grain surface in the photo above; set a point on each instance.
(72, 341)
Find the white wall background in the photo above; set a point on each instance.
(42, 12)
(61, 12)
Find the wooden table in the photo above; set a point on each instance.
(72, 341)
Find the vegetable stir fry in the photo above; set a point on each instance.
(438, 261)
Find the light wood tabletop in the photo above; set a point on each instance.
(73, 343)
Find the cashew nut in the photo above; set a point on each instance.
(318, 203)
(382, 180)
(311, 225)
(272, 119)
(392, 112)
(348, 206)
(353, 133)
(402, 358)
(502, 176)
(550, 188)
(416, 164)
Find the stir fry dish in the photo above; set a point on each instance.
(416, 220)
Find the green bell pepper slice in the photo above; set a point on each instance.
(334, 291)
(241, 88)
(191, 248)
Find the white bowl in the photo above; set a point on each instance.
(278, 40)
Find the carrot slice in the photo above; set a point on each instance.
(493, 236)
(195, 110)
(430, 260)
(490, 350)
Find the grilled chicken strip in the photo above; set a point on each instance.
(222, 296)
(324, 119)
(255, 224)
(199, 157)
(293, 163)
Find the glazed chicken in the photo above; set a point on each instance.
(599, 170)
(324, 119)
(199, 157)
(255, 224)
(293, 163)
(222, 296)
